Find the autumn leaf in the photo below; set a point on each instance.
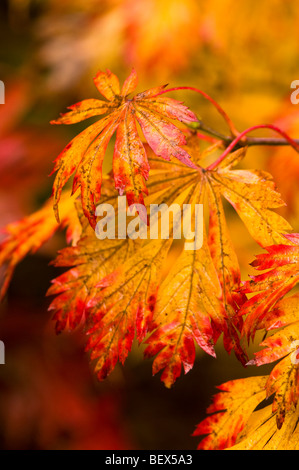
(78, 285)
(253, 195)
(198, 299)
(188, 310)
(110, 289)
(283, 381)
(124, 307)
(227, 267)
(280, 264)
(278, 315)
(85, 153)
(114, 287)
(113, 303)
(30, 233)
(240, 419)
(230, 412)
(262, 432)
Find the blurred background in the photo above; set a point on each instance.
(245, 55)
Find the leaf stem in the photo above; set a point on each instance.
(237, 138)
(234, 131)
(203, 127)
(250, 141)
(256, 141)
(272, 141)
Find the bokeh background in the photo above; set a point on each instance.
(245, 55)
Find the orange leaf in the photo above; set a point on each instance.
(230, 411)
(283, 344)
(83, 110)
(198, 299)
(86, 152)
(107, 84)
(30, 233)
(130, 165)
(123, 307)
(282, 275)
(111, 288)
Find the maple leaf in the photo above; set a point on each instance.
(116, 303)
(283, 381)
(124, 307)
(110, 289)
(198, 298)
(236, 423)
(85, 153)
(188, 307)
(261, 432)
(253, 195)
(281, 263)
(30, 233)
(227, 267)
(75, 287)
(113, 303)
(229, 412)
(269, 310)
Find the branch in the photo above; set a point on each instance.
(272, 141)
(237, 139)
(233, 130)
(250, 141)
(240, 141)
(288, 139)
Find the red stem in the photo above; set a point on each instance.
(221, 111)
(206, 137)
(242, 134)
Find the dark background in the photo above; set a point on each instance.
(49, 52)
